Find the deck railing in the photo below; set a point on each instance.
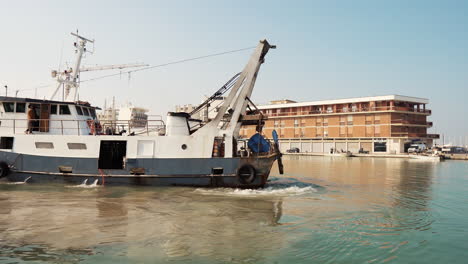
(82, 126)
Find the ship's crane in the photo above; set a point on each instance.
(112, 67)
(69, 78)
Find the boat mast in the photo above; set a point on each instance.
(69, 77)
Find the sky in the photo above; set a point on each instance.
(326, 50)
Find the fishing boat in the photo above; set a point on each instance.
(65, 141)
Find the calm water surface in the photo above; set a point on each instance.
(325, 210)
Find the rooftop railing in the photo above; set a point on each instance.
(351, 110)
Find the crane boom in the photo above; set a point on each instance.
(112, 67)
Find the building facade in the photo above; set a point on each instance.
(380, 124)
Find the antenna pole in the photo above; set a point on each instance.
(6, 90)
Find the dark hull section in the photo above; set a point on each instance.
(212, 172)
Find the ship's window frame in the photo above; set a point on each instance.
(86, 111)
(79, 110)
(20, 108)
(62, 110)
(79, 146)
(52, 110)
(44, 145)
(6, 142)
(10, 108)
(92, 111)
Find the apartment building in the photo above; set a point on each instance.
(379, 124)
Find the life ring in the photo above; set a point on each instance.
(246, 174)
(4, 169)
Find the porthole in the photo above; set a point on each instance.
(184, 147)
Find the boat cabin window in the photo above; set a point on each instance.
(20, 107)
(6, 143)
(53, 109)
(44, 145)
(9, 107)
(64, 110)
(85, 111)
(92, 111)
(76, 146)
(78, 109)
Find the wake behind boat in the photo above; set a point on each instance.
(66, 142)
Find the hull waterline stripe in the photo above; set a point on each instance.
(126, 175)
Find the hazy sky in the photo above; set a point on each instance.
(326, 50)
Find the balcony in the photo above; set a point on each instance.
(415, 135)
(411, 122)
(357, 110)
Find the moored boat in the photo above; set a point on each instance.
(65, 141)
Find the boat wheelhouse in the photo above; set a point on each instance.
(68, 143)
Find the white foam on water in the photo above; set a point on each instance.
(23, 182)
(85, 185)
(269, 191)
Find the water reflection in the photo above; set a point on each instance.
(173, 222)
(325, 210)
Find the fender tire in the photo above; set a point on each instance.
(246, 174)
(4, 169)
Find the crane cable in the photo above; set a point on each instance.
(169, 63)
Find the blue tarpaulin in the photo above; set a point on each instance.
(258, 144)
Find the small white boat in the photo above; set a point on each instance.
(435, 158)
(339, 154)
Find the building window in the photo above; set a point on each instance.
(345, 109)
(377, 119)
(350, 131)
(64, 110)
(350, 120)
(368, 131)
(296, 122)
(20, 107)
(325, 121)
(342, 131)
(277, 123)
(368, 119)
(329, 109)
(325, 132)
(319, 131)
(9, 107)
(354, 108)
(342, 120)
(377, 130)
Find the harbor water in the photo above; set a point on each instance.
(323, 210)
